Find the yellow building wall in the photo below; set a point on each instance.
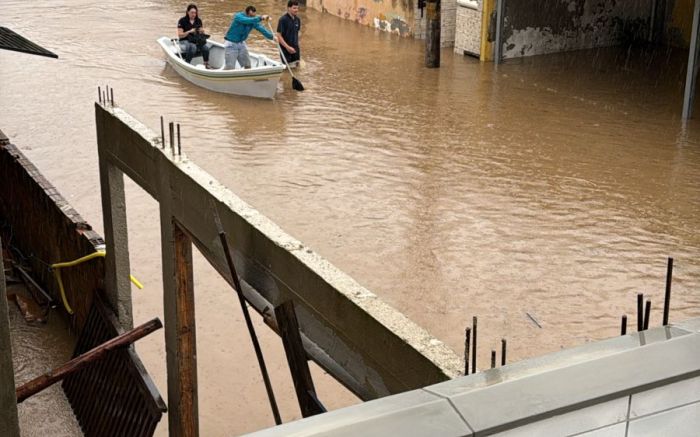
(396, 16)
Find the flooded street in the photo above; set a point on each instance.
(553, 186)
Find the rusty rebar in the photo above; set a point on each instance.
(647, 315)
(623, 326)
(640, 312)
(667, 296)
(179, 147)
(503, 352)
(467, 339)
(474, 321)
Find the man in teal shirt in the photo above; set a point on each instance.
(242, 24)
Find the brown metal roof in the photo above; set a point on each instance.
(10, 40)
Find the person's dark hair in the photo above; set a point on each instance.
(250, 9)
(192, 6)
(291, 3)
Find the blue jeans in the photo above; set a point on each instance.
(189, 50)
(236, 51)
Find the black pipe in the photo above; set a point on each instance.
(640, 312)
(99, 94)
(647, 314)
(111, 96)
(246, 315)
(467, 338)
(623, 328)
(503, 352)
(162, 133)
(474, 345)
(667, 297)
(493, 359)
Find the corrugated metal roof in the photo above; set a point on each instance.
(10, 40)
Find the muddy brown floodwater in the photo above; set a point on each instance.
(553, 186)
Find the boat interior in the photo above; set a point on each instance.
(216, 58)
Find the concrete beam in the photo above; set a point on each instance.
(366, 345)
(117, 270)
(9, 425)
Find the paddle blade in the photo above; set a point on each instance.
(297, 85)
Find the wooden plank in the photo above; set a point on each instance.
(297, 359)
(40, 383)
(185, 337)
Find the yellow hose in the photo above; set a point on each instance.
(57, 273)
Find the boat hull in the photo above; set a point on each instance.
(260, 81)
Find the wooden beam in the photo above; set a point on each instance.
(181, 342)
(48, 379)
(297, 359)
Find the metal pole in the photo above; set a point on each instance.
(667, 297)
(246, 315)
(99, 94)
(493, 359)
(498, 44)
(691, 75)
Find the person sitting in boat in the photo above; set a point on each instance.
(191, 32)
(242, 24)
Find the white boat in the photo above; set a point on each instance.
(258, 81)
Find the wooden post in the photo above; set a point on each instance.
(296, 357)
(9, 425)
(48, 379)
(432, 34)
(180, 338)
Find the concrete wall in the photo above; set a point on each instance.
(365, 344)
(533, 27)
(468, 29)
(401, 17)
(9, 425)
(396, 16)
(45, 226)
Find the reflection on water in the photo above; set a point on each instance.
(552, 186)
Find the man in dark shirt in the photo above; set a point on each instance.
(288, 33)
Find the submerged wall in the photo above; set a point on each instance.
(534, 27)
